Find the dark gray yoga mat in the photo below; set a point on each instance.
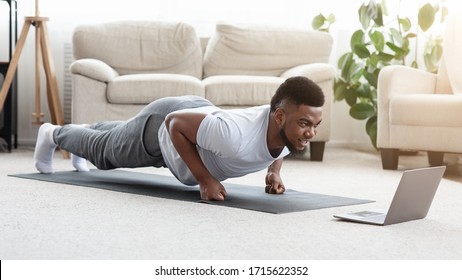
(239, 196)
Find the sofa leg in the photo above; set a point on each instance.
(435, 158)
(317, 150)
(389, 158)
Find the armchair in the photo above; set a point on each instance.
(422, 111)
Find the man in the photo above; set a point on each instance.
(201, 144)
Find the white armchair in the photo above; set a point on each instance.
(422, 111)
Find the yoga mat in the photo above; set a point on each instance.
(239, 196)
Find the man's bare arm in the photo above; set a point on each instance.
(273, 179)
(183, 128)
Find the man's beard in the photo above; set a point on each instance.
(289, 144)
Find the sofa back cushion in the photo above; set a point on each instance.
(263, 50)
(141, 47)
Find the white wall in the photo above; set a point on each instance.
(202, 14)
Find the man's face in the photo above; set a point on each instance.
(299, 126)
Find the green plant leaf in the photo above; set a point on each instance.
(372, 77)
(364, 18)
(361, 51)
(318, 22)
(362, 111)
(383, 5)
(432, 58)
(355, 72)
(331, 18)
(351, 96)
(437, 53)
(397, 36)
(374, 60)
(444, 13)
(378, 40)
(357, 39)
(405, 45)
(374, 96)
(339, 90)
(371, 122)
(405, 23)
(399, 52)
(426, 17)
(378, 19)
(370, 12)
(385, 57)
(351, 71)
(344, 60)
(371, 129)
(344, 63)
(364, 91)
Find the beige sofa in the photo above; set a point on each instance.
(120, 67)
(422, 111)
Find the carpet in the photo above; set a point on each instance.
(239, 196)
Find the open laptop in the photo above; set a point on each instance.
(412, 199)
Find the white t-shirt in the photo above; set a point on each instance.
(231, 143)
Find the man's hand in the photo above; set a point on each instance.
(274, 183)
(212, 190)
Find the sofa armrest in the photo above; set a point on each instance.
(94, 69)
(317, 72)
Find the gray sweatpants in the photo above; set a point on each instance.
(132, 143)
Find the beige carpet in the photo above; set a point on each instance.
(41, 220)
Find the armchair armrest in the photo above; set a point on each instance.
(317, 72)
(94, 69)
(399, 79)
(395, 80)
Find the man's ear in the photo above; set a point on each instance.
(280, 116)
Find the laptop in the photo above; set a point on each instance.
(412, 199)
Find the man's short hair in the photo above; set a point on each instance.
(298, 91)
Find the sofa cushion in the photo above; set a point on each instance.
(141, 47)
(240, 90)
(145, 88)
(263, 50)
